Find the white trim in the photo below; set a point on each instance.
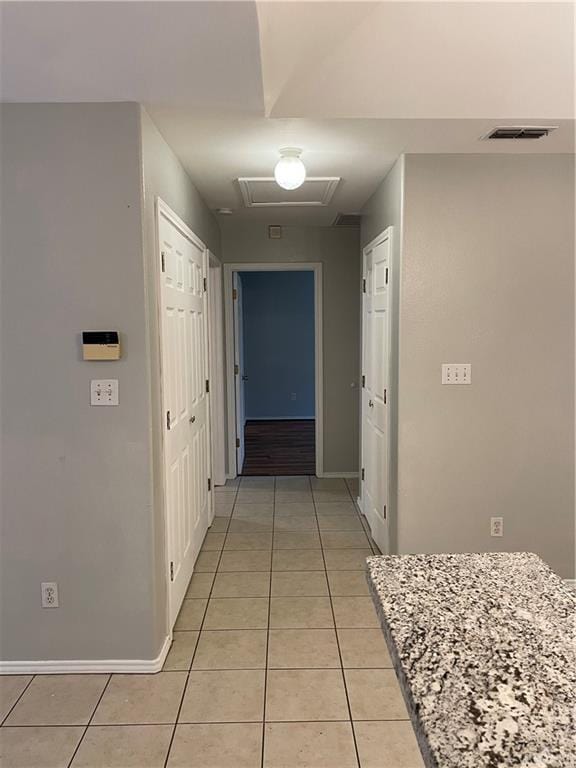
(246, 189)
(344, 475)
(571, 583)
(295, 266)
(217, 368)
(77, 666)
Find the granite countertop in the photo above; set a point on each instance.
(484, 646)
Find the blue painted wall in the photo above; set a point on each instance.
(278, 315)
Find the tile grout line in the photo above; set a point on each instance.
(338, 640)
(184, 689)
(28, 684)
(85, 731)
(263, 745)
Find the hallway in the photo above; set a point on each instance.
(278, 659)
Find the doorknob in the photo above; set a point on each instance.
(244, 378)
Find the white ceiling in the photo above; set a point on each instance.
(354, 84)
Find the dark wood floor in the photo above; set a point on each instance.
(280, 448)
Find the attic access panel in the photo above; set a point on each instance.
(263, 192)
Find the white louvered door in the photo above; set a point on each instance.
(184, 334)
(375, 392)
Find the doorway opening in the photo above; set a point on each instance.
(273, 325)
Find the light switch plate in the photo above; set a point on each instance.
(104, 392)
(456, 373)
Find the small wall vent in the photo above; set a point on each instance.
(347, 220)
(520, 132)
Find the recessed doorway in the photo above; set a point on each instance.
(274, 372)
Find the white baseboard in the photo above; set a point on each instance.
(81, 667)
(345, 475)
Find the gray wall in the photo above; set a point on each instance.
(278, 329)
(386, 209)
(76, 502)
(339, 252)
(164, 177)
(488, 278)
(80, 486)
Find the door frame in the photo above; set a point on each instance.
(163, 209)
(387, 234)
(292, 266)
(217, 366)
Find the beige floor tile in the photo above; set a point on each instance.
(328, 484)
(206, 562)
(387, 745)
(141, 699)
(229, 487)
(257, 524)
(301, 613)
(294, 509)
(346, 559)
(325, 509)
(309, 745)
(306, 540)
(355, 612)
(237, 613)
(38, 747)
(255, 496)
(348, 583)
(253, 509)
(124, 746)
(293, 497)
(349, 522)
(224, 504)
(344, 539)
(242, 584)
(200, 585)
(295, 523)
(258, 482)
(231, 649)
(364, 648)
(375, 695)
(58, 700)
(353, 485)
(181, 651)
(11, 687)
(303, 648)
(297, 560)
(299, 584)
(249, 560)
(248, 541)
(230, 696)
(219, 525)
(324, 497)
(305, 694)
(217, 745)
(213, 542)
(191, 614)
(293, 483)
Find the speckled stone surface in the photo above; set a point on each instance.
(484, 646)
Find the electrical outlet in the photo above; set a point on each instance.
(456, 373)
(49, 594)
(496, 526)
(292, 395)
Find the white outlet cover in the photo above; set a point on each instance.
(104, 392)
(497, 526)
(49, 594)
(456, 373)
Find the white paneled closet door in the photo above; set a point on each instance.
(375, 391)
(184, 338)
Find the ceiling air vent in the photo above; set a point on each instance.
(348, 220)
(520, 132)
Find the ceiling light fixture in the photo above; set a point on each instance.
(290, 171)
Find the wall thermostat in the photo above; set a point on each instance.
(100, 345)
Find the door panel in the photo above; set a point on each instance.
(185, 401)
(375, 395)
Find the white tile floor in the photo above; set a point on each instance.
(278, 660)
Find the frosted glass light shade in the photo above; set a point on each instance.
(290, 171)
